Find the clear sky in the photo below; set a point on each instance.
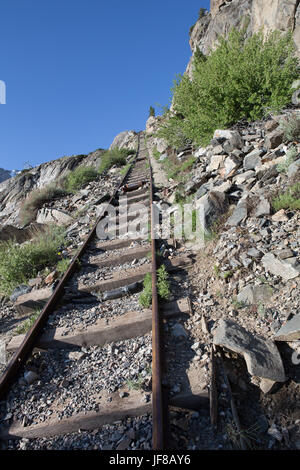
(78, 72)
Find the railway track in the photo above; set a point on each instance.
(94, 356)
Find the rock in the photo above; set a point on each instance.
(231, 163)
(273, 432)
(239, 179)
(252, 294)
(240, 213)
(215, 162)
(262, 357)
(280, 216)
(30, 377)
(271, 125)
(124, 139)
(263, 207)
(20, 290)
(278, 267)
(204, 325)
(51, 277)
(178, 331)
(293, 169)
(213, 204)
(274, 139)
(252, 161)
(50, 216)
(290, 331)
(76, 355)
(200, 152)
(217, 150)
(267, 385)
(233, 137)
(123, 444)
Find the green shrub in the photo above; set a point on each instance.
(290, 157)
(114, 157)
(145, 298)
(156, 154)
(79, 177)
(62, 266)
(243, 78)
(37, 199)
(19, 263)
(291, 128)
(163, 286)
(290, 199)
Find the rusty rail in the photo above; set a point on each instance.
(20, 356)
(158, 409)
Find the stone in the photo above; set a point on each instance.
(51, 277)
(262, 356)
(252, 161)
(263, 207)
(279, 267)
(178, 331)
(213, 204)
(271, 125)
(30, 377)
(217, 150)
(20, 290)
(239, 179)
(50, 216)
(215, 162)
(76, 355)
(267, 385)
(252, 294)
(274, 139)
(233, 137)
(293, 169)
(290, 331)
(231, 163)
(280, 216)
(273, 432)
(200, 152)
(240, 213)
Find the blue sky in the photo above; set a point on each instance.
(78, 72)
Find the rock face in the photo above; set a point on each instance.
(4, 175)
(126, 139)
(13, 191)
(283, 15)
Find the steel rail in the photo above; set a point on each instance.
(19, 358)
(158, 409)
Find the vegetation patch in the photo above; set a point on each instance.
(243, 78)
(291, 128)
(37, 199)
(163, 287)
(19, 263)
(79, 177)
(115, 157)
(290, 199)
(290, 157)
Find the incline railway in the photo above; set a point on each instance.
(80, 379)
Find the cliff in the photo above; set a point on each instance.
(282, 15)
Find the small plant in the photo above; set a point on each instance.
(163, 285)
(62, 266)
(156, 154)
(290, 199)
(19, 263)
(124, 170)
(145, 298)
(290, 157)
(291, 128)
(27, 324)
(115, 157)
(37, 199)
(79, 177)
(151, 111)
(217, 271)
(238, 304)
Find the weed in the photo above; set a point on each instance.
(27, 324)
(290, 157)
(79, 177)
(291, 128)
(290, 199)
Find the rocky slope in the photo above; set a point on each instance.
(283, 15)
(4, 174)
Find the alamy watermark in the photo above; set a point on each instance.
(133, 221)
(2, 92)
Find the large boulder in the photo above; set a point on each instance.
(126, 139)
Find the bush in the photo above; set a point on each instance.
(163, 287)
(291, 128)
(290, 199)
(19, 263)
(243, 78)
(79, 177)
(290, 157)
(145, 298)
(114, 157)
(37, 199)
